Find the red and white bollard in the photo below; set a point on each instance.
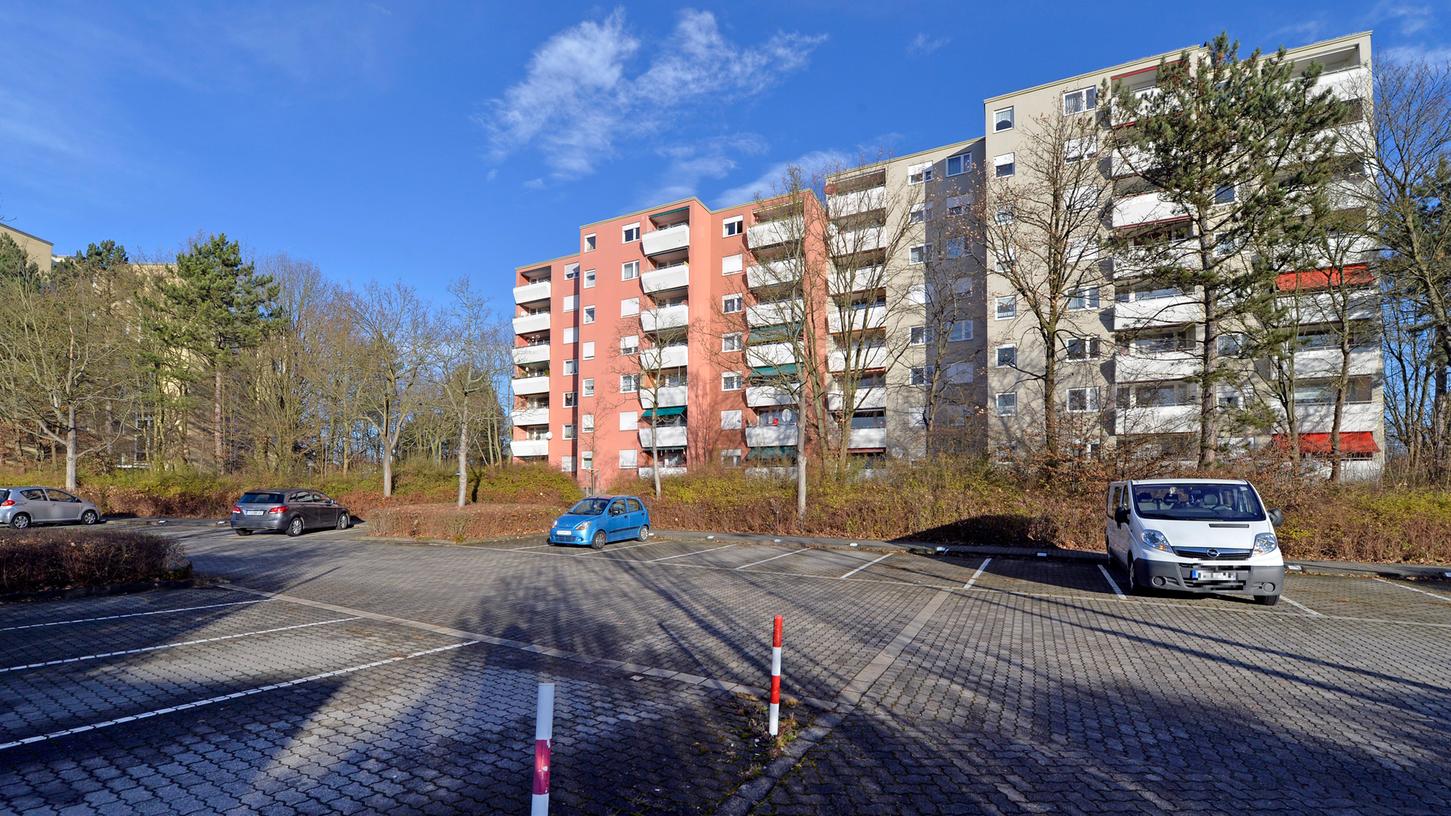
(543, 736)
(775, 678)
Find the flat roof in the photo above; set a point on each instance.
(851, 171)
(29, 235)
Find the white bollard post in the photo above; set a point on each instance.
(775, 677)
(543, 737)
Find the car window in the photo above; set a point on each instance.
(4, 494)
(59, 495)
(1113, 499)
(1193, 501)
(589, 507)
(299, 497)
(260, 498)
(34, 494)
(635, 506)
(617, 508)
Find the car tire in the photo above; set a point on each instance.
(1267, 600)
(1135, 586)
(20, 521)
(295, 527)
(644, 532)
(242, 532)
(90, 517)
(598, 542)
(344, 521)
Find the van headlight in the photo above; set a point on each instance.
(1155, 540)
(1266, 543)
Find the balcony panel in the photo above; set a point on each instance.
(1347, 85)
(530, 292)
(865, 359)
(661, 280)
(666, 240)
(778, 231)
(775, 314)
(771, 436)
(1148, 208)
(771, 472)
(1325, 307)
(1157, 419)
(1139, 261)
(664, 437)
(851, 241)
(1310, 363)
(525, 355)
(867, 399)
(873, 317)
(647, 472)
(868, 438)
(530, 416)
(531, 385)
(654, 359)
(1357, 416)
(859, 201)
(770, 354)
(765, 396)
(843, 282)
(528, 324)
(1169, 365)
(670, 317)
(529, 447)
(670, 396)
(781, 273)
(1130, 161)
(1145, 314)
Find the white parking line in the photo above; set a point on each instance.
(1435, 595)
(978, 574)
(1111, 583)
(234, 695)
(1292, 602)
(631, 547)
(683, 555)
(531, 547)
(864, 566)
(167, 646)
(129, 615)
(773, 558)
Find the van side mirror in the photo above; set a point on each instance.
(1277, 517)
(1121, 515)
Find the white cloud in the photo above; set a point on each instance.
(706, 160)
(922, 45)
(1434, 54)
(579, 101)
(1410, 17)
(812, 164)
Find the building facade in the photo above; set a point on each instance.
(37, 249)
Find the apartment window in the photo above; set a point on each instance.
(954, 205)
(730, 381)
(730, 420)
(589, 315)
(1224, 194)
(962, 286)
(566, 464)
(587, 386)
(921, 335)
(956, 247)
(629, 307)
(1083, 298)
(589, 350)
(1082, 348)
(1006, 357)
(571, 302)
(1004, 215)
(1082, 249)
(921, 375)
(957, 165)
(1076, 150)
(570, 334)
(1083, 99)
(731, 265)
(1082, 400)
(1004, 165)
(1005, 307)
(587, 461)
(629, 383)
(571, 367)
(919, 173)
(1006, 403)
(589, 242)
(918, 254)
(731, 304)
(960, 331)
(917, 215)
(629, 270)
(731, 457)
(1002, 119)
(571, 271)
(731, 342)
(589, 279)
(587, 423)
(732, 226)
(629, 459)
(630, 345)
(1230, 345)
(630, 233)
(568, 432)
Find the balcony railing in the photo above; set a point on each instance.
(782, 273)
(771, 436)
(530, 416)
(670, 396)
(850, 241)
(1157, 419)
(529, 447)
(670, 317)
(764, 396)
(1325, 362)
(872, 317)
(1166, 311)
(1134, 262)
(661, 280)
(1149, 208)
(654, 359)
(860, 201)
(1347, 85)
(531, 385)
(673, 436)
(868, 438)
(777, 231)
(867, 399)
(1357, 416)
(843, 282)
(1325, 307)
(1146, 367)
(524, 355)
(770, 354)
(863, 359)
(669, 239)
(647, 472)
(531, 292)
(528, 324)
(775, 313)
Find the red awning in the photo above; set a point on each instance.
(1352, 275)
(1319, 443)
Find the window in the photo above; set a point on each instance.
(1082, 249)
(589, 315)
(732, 226)
(1004, 165)
(730, 381)
(587, 386)
(917, 215)
(630, 233)
(961, 331)
(587, 423)
(1082, 298)
(962, 286)
(1082, 348)
(571, 272)
(570, 333)
(1081, 199)
(629, 421)
(1230, 345)
(629, 307)
(1006, 403)
(1082, 400)
(630, 344)
(954, 205)
(918, 254)
(629, 383)
(1006, 307)
(568, 432)
(589, 350)
(629, 270)
(589, 242)
(587, 460)
(731, 342)
(731, 304)
(1075, 150)
(731, 457)
(1004, 215)
(730, 420)
(629, 459)
(730, 265)
(1224, 194)
(589, 279)
(921, 335)
(566, 464)
(956, 247)
(922, 375)
(1083, 99)
(919, 173)
(1002, 120)
(571, 367)
(957, 165)
(571, 302)
(1006, 357)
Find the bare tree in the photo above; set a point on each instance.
(475, 358)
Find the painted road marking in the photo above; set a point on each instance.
(1111, 583)
(1292, 602)
(773, 558)
(100, 655)
(1435, 595)
(978, 574)
(631, 547)
(129, 615)
(225, 697)
(685, 555)
(864, 566)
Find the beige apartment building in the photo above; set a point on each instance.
(38, 249)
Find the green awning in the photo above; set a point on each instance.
(772, 452)
(663, 411)
(774, 371)
(773, 334)
(671, 212)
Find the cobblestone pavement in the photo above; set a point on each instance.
(338, 675)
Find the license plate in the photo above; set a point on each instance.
(254, 512)
(1207, 575)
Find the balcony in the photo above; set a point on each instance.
(664, 437)
(842, 282)
(771, 472)
(529, 447)
(530, 416)
(531, 291)
(670, 239)
(528, 324)
(1346, 85)
(1324, 307)
(774, 232)
(771, 436)
(1138, 261)
(775, 314)
(1147, 367)
(661, 280)
(860, 201)
(669, 396)
(1130, 162)
(781, 273)
(670, 317)
(1357, 416)
(525, 355)
(867, 399)
(655, 359)
(861, 359)
(1147, 314)
(1149, 208)
(868, 438)
(531, 385)
(872, 317)
(771, 354)
(765, 396)
(1157, 419)
(851, 241)
(1325, 362)
(648, 472)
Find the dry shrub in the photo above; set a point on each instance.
(42, 560)
(473, 522)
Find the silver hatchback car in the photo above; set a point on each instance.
(21, 507)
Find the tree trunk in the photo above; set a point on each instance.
(1050, 401)
(801, 471)
(387, 452)
(463, 461)
(217, 452)
(1341, 386)
(70, 448)
(1208, 357)
(655, 454)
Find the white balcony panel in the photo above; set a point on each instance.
(1326, 362)
(1130, 161)
(843, 282)
(1169, 365)
(665, 437)
(1157, 419)
(531, 292)
(648, 472)
(670, 317)
(654, 359)
(1357, 417)
(775, 313)
(1325, 307)
(531, 385)
(763, 396)
(1144, 209)
(771, 354)
(1138, 261)
(530, 416)
(524, 355)
(771, 436)
(528, 324)
(872, 317)
(867, 399)
(868, 438)
(661, 280)
(670, 396)
(863, 359)
(848, 241)
(1347, 85)
(778, 231)
(666, 240)
(771, 472)
(529, 447)
(781, 273)
(1144, 314)
(859, 201)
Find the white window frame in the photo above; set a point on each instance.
(919, 173)
(629, 307)
(570, 335)
(629, 270)
(571, 367)
(959, 331)
(919, 253)
(587, 460)
(630, 345)
(737, 299)
(731, 381)
(1091, 400)
(731, 420)
(590, 242)
(1083, 94)
(999, 302)
(734, 341)
(964, 164)
(587, 387)
(625, 233)
(1090, 295)
(567, 431)
(738, 222)
(1008, 160)
(1012, 119)
(732, 264)
(587, 315)
(998, 403)
(998, 358)
(571, 271)
(571, 399)
(629, 383)
(629, 421)
(571, 302)
(589, 279)
(920, 375)
(956, 247)
(588, 351)
(919, 335)
(629, 459)
(566, 464)
(731, 457)
(586, 423)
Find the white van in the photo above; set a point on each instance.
(1195, 535)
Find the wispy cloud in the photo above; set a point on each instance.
(694, 163)
(1434, 54)
(922, 45)
(811, 164)
(582, 97)
(1409, 18)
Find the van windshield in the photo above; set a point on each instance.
(1193, 501)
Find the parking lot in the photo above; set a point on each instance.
(336, 674)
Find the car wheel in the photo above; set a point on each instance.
(644, 532)
(242, 532)
(20, 521)
(344, 521)
(598, 542)
(1135, 587)
(294, 527)
(90, 517)
(1267, 600)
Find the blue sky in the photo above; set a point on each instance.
(429, 141)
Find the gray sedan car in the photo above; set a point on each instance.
(292, 510)
(21, 507)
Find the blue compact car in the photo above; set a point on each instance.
(598, 520)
